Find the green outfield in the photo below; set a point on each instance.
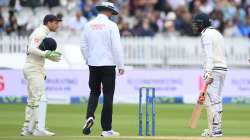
(171, 122)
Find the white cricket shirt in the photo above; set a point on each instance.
(213, 46)
(35, 56)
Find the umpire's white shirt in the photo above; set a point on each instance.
(100, 43)
(214, 49)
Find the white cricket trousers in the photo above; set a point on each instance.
(36, 89)
(35, 83)
(214, 101)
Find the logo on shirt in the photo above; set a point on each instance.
(36, 40)
(97, 26)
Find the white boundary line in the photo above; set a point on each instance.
(135, 137)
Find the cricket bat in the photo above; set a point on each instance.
(197, 110)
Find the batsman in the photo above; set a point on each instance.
(215, 68)
(40, 47)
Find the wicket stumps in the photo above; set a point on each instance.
(148, 90)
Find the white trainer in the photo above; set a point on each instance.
(44, 132)
(26, 132)
(110, 133)
(206, 133)
(217, 134)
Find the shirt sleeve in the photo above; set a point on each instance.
(207, 44)
(34, 43)
(83, 44)
(117, 49)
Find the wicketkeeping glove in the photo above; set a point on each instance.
(53, 55)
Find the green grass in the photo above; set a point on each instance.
(171, 120)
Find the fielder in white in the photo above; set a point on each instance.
(215, 68)
(39, 48)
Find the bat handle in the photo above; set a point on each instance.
(204, 90)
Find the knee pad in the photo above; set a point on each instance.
(33, 103)
(209, 102)
(218, 107)
(44, 98)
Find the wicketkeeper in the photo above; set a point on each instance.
(39, 48)
(215, 68)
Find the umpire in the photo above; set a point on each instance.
(102, 50)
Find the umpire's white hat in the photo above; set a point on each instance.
(107, 6)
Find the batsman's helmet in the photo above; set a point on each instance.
(48, 44)
(200, 22)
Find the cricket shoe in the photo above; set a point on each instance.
(217, 134)
(87, 126)
(110, 133)
(26, 132)
(43, 132)
(206, 133)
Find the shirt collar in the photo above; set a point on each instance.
(102, 16)
(45, 29)
(210, 27)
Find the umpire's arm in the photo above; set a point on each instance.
(83, 44)
(116, 47)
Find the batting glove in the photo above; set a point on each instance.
(208, 78)
(201, 99)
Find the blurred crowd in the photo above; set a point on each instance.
(137, 17)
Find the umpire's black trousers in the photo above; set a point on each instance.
(105, 76)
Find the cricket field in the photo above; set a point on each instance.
(171, 122)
